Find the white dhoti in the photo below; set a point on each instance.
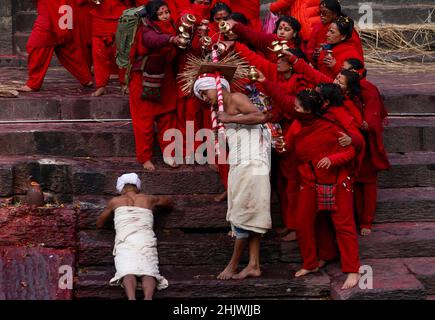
(249, 188)
(135, 248)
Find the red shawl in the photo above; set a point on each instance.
(341, 52)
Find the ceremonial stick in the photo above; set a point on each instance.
(217, 124)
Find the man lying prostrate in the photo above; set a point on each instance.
(135, 248)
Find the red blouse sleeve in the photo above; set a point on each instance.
(285, 103)
(281, 6)
(342, 157)
(310, 74)
(260, 40)
(268, 68)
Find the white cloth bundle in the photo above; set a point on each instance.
(128, 178)
(135, 248)
(208, 83)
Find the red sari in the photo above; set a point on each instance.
(375, 159)
(312, 139)
(318, 36)
(48, 38)
(260, 40)
(104, 23)
(287, 177)
(340, 52)
(152, 41)
(305, 11)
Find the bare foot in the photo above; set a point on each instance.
(124, 90)
(221, 197)
(291, 236)
(230, 233)
(365, 232)
(228, 272)
(149, 166)
(248, 272)
(99, 92)
(89, 84)
(25, 88)
(322, 263)
(170, 162)
(304, 272)
(351, 281)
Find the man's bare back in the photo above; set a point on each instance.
(132, 199)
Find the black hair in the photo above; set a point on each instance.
(352, 83)
(345, 26)
(294, 23)
(298, 53)
(311, 101)
(152, 7)
(332, 93)
(357, 65)
(192, 1)
(219, 6)
(333, 5)
(239, 17)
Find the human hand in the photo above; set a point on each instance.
(329, 61)
(261, 77)
(324, 163)
(344, 140)
(223, 117)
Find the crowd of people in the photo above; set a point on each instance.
(331, 116)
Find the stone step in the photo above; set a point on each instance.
(39, 106)
(196, 282)
(405, 205)
(202, 212)
(391, 240)
(393, 279)
(84, 176)
(67, 177)
(389, 12)
(24, 21)
(25, 5)
(95, 139)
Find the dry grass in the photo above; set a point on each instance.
(408, 47)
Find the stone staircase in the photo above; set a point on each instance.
(396, 12)
(78, 163)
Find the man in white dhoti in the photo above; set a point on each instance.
(135, 247)
(248, 180)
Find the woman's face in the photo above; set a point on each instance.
(221, 16)
(283, 65)
(203, 2)
(334, 36)
(285, 31)
(326, 15)
(299, 108)
(342, 82)
(163, 13)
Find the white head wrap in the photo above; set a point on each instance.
(208, 83)
(128, 178)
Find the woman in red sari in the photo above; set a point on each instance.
(323, 162)
(376, 158)
(329, 10)
(286, 28)
(338, 47)
(152, 84)
(305, 11)
(48, 37)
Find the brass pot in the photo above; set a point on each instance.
(253, 73)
